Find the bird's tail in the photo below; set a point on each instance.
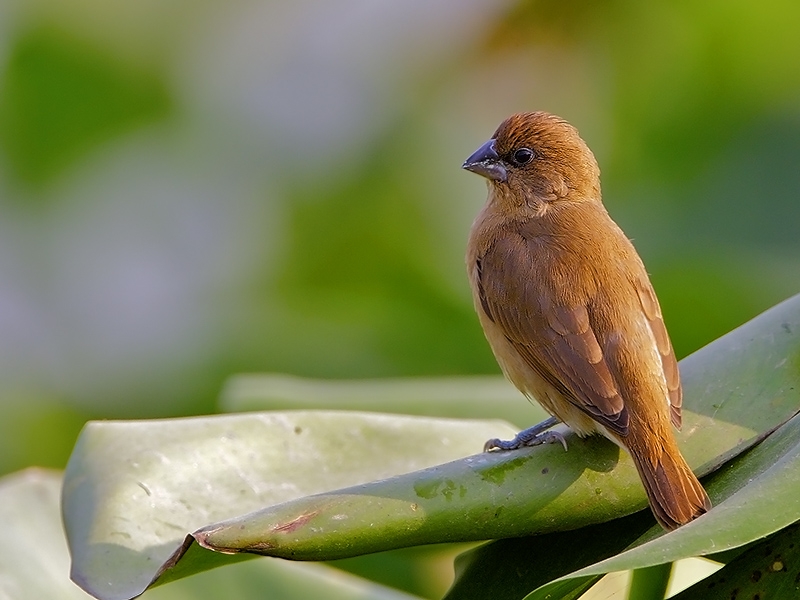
(676, 496)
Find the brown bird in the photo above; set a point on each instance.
(568, 308)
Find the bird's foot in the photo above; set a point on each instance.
(533, 436)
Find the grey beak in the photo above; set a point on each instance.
(485, 161)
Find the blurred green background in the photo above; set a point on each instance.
(190, 190)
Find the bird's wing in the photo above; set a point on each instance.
(552, 332)
(669, 363)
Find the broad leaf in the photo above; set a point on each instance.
(770, 569)
(476, 397)
(755, 495)
(134, 489)
(34, 561)
(131, 487)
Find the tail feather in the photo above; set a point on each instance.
(676, 496)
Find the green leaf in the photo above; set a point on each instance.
(34, 561)
(770, 569)
(755, 495)
(476, 397)
(36, 564)
(274, 579)
(132, 487)
(510, 569)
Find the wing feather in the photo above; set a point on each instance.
(555, 338)
(669, 362)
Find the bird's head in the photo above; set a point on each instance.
(539, 159)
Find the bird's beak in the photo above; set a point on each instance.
(485, 161)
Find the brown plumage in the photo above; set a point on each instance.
(568, 309)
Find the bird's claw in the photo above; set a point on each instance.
(533, 436)
(521, 441)
(496, 444)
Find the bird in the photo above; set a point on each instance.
(568, 309)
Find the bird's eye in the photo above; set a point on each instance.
(522, 156)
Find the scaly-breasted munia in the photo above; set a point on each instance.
(568, 308)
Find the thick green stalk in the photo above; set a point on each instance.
(650, 583)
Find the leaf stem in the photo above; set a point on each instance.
(650, 583)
